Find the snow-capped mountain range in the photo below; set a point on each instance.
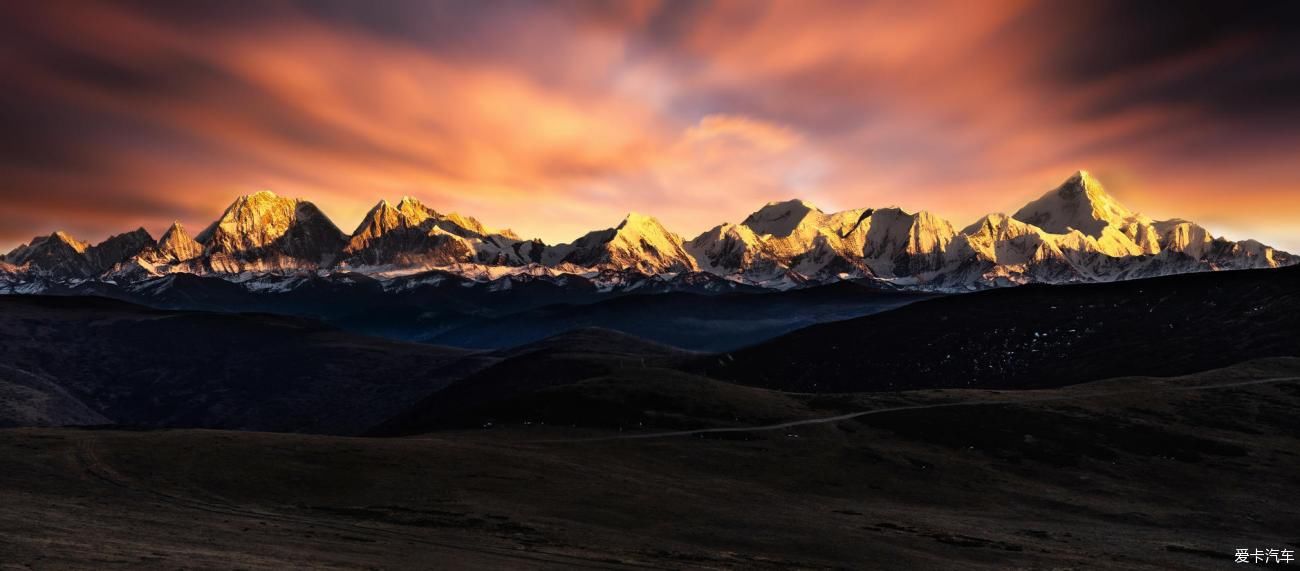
(1073, 233)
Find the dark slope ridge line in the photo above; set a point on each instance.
(131, 308)
(859, 414)
(559, 361)
(1035, 336)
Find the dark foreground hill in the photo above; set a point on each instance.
(1037, 336)
(594, 378)
(1134, 473)
(594, 449)
(1027, 337)
(67, 360)
(71, 360)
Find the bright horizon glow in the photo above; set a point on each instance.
(554, 119)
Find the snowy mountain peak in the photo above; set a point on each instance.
(1005, 242)
(1179, 235)
(793, 203)
(58, 254)
(65, 238)
(174, 246)
(263, 231)
(1075, 232)
(1079, 203)
(411, 213)
(900, 244)
(782, 218)
(57, 241)
(641, 224)
(415, 211)
(639, 242)
(412, 234)
(176, 235)
(381, 218)
(993, 224)
(464, 225)
(256, 220)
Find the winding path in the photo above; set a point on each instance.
(852, 415)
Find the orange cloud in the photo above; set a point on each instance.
(555, 119)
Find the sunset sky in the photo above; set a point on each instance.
(555, 118)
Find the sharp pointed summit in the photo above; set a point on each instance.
(263, 231)
(405, 235)
(412, 234)
(639, 242)
(381, 219)
(175, 246)
(62, 237)
(58, 255)
(415, 211)
(1080, 203)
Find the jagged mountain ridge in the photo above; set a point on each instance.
(638, 243)
(1074, 233)
(797, 238)
(63, 256)
(412, 234)
(174, 247)
(262, 232)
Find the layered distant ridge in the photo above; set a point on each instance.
(1076, 232)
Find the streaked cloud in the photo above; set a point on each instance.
(556, 118)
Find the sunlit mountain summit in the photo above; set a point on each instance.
(1076, 232)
